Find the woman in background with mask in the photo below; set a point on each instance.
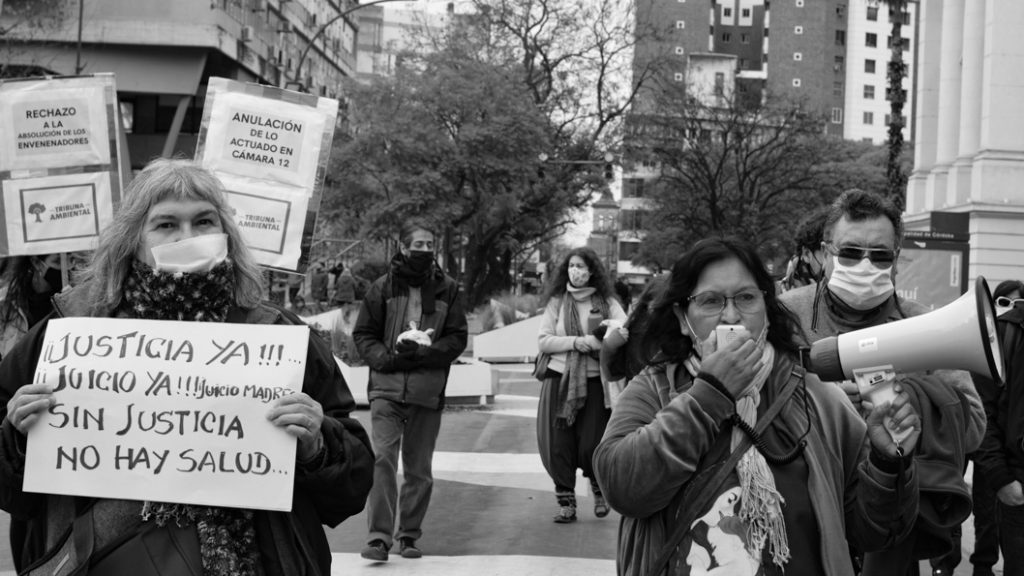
(173, 252)
(30, 282)
(815, 477)
(573, 410)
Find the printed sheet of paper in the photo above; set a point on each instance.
(57, 213)
(270, 219)
(163, 411)
(55, 127)
(271, 148)
(262, 138)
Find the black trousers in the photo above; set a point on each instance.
(563, 450)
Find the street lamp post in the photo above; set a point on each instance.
(323, 28)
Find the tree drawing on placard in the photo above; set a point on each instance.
(37, 209)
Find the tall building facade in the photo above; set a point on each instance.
(969, 155)
(832, 56)
(163, 53)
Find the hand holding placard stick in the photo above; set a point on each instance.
(156, 410)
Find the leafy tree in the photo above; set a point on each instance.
(895, 72)
(23, 22)
(751, 171)
(458, 132)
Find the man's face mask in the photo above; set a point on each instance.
(862, 286)
(419, 260)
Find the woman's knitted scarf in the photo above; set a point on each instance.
(761, 506)
(227, 536)
(572, 388)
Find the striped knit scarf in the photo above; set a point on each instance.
(572, 388)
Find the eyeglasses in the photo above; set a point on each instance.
(712, 303)
(1005, 302)
(851, 255)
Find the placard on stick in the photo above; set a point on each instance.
(163, 411)
(270, 147)
(59, 162)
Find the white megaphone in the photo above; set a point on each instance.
(958, 336)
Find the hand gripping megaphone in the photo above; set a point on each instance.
(958, 336)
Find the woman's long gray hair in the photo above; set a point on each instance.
(119, 243)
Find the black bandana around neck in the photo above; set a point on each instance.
(195, 296)
(406, 275)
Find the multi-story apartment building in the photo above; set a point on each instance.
(830, 56)
(386, 30)
(163, 52)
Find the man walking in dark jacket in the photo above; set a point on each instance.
(407, 383)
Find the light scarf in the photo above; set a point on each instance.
(761, 506)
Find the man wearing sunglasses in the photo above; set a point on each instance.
(862, 235)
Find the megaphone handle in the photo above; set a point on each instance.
(878, 394)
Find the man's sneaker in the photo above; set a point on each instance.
(407, 548)
(600, 506)
(566, 515)
(376, 550)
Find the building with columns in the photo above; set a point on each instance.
(969, 152)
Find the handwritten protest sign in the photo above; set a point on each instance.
(270, 148)
(59, 163)
(163, 411)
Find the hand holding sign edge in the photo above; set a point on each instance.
(300, 416)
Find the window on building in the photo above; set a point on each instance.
(841, 11)
(840, 63)
(746, 13)
(798, 30)
(906, 43)
(678, 76)
(869, 118)
(719, 83)
(764, 58)
(840, 37)
(905, 16)
(727, 12)
(869, 66)
(873, 13)
(766, 32)
(871, 39)
(744, 64)
(796, 82)
(745, 38)
(680, 24)
(869, 92)
(837, 89)
(798, 56)
(726, 37)
(837, 115)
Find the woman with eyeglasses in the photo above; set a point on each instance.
(810, 475)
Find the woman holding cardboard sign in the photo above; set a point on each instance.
(174, 253)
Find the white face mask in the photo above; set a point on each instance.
(578, 277)
(863, 286)
(196, 254)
